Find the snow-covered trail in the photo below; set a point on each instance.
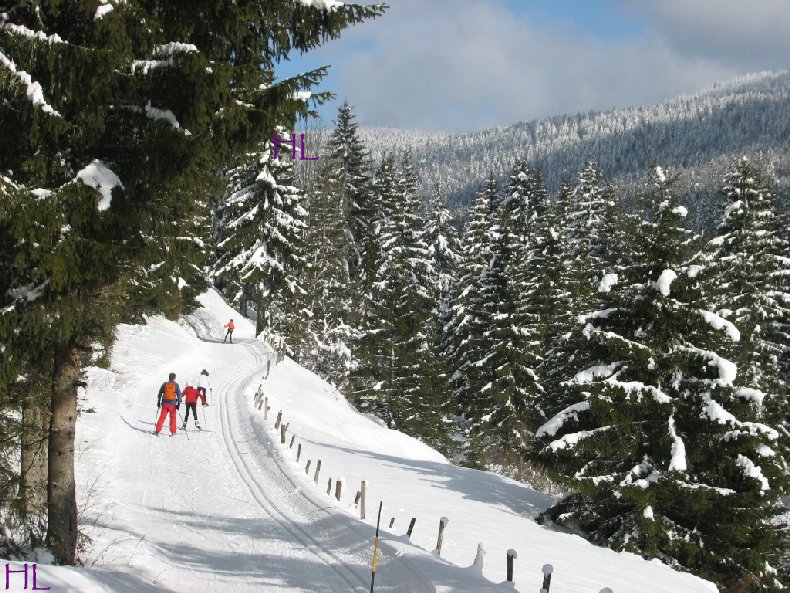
(212, 510)
(230, 509)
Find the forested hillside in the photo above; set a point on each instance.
(696, 135)
(586, 334)
(566, 321)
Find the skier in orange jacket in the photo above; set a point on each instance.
(229, 333)
(168, 399)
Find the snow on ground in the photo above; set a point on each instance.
(231, 510)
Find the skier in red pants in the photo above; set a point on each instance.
(168, 399)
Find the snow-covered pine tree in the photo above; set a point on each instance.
(588, 232)
(499, 411)
(349, 172)
(663, 443)
(260, 241)
(749, 271)
(444, 253)
(444, 250)
(400, 359)
(463, 342)
(108, 117)
(330, 336)
(372, 379)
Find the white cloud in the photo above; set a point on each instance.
(463, 64)
(753, 34)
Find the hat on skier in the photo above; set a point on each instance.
(204, 372)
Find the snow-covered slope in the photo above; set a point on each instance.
(230, 510)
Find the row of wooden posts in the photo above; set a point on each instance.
(262, 403)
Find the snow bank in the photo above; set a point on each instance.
(158, 524)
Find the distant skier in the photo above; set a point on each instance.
(203, 385)
(168, 399)
(229, 333)
(191, 396)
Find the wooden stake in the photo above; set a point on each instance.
(293, 438)
(442, 524)
(362, 501)
(329, 487)
(317, 469)
(338, 488)
(266, 408)
(511, 555)
(411, 526)
(307, 467)
(298, 452)
(392, 522)
(547, 570)
(279, 420)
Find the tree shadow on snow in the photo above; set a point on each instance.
(472, 484)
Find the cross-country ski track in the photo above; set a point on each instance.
(228, 509)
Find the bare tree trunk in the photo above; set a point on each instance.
(62, 523)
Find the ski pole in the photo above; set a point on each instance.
(375, 549)
(183, 423)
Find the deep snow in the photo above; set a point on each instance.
(230, 510)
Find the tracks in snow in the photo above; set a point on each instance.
(334, 539)
(253, 468)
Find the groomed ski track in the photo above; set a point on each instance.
(236, 520)
(288, 505)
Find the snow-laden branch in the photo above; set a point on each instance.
(551, 427)
(105, 7)
(23, 31)
(101, 177)
(752, 470)
(717, 322)
(34, 91)
(678, 461)
(570, 440)
(154, 113)
(321, 4)
(163, 56)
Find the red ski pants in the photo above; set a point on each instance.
(167, 409)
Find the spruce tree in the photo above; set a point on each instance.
(662, 441)
(112, 123)
(748, 272)
(348, 173)
(396, 352)
(260, 242)
(330, 335)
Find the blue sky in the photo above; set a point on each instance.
(457, 65)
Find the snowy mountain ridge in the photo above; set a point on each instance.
(697, 134)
